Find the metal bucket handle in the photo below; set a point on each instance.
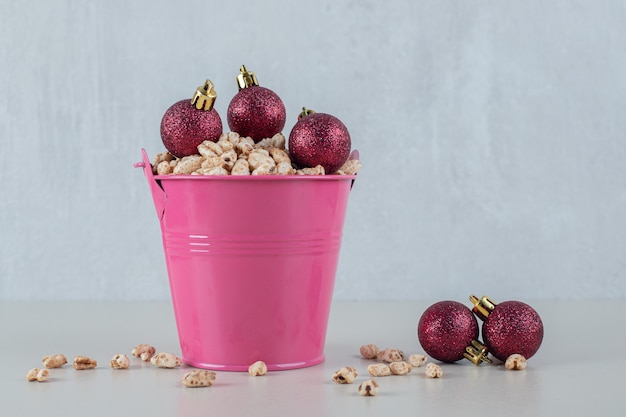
(158, 194)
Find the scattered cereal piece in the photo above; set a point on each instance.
(37, 374)
(54, 361)
(345, 375)
(84, 362)
(515, 362)
(378, 369)
(368, 388)
(433, 370)
(32, 374)
(400, 368)
(416, 360)
(165, 360)
(143, 352)
(391, 355)
(42, 375)
(198, 378)
(120, 361)
(258, 368)
(369, 351)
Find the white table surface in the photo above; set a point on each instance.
(580, 369)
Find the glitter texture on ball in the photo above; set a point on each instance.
(256, 112)
(320, 139)
(512, 327)
(445, 329)
(184, 127)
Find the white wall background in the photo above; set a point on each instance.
(492, 135)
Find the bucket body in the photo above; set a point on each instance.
(251, 264)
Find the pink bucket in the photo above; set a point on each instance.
(251, 262)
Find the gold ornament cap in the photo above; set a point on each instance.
(305, 112)
(483, 306)
(246, 78)
(476, 353)
(204, 97)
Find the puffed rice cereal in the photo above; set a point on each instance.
(36, 374)
(198, 378)
(54, 361)
(391, 355)
(433, 370)
(258, 368)
(143, 352)
(369, 351)
(227, 156)
(379, 369)
(345, 375)
(515, 362)
(120, 361)
(400, 368)
(316, 170)
(368, 388)
(350, 167)
(416, 360)
(84, 362)
(165, 360)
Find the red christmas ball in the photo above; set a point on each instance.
(445, 329)
(184, 127)
(256, 112)
(319, 139)
(512, 327)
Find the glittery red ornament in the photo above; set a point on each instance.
(255, 111)
(509, 327)
(319, 139)
(445, 330)
(186, 124)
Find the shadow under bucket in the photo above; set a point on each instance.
(251, 262)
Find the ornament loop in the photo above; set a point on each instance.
(483, 306)
(246, 78)
(204, 97)
(305, 112)
(476, 353)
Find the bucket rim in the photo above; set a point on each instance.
(328, 177)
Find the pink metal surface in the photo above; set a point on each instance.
(251, 264)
